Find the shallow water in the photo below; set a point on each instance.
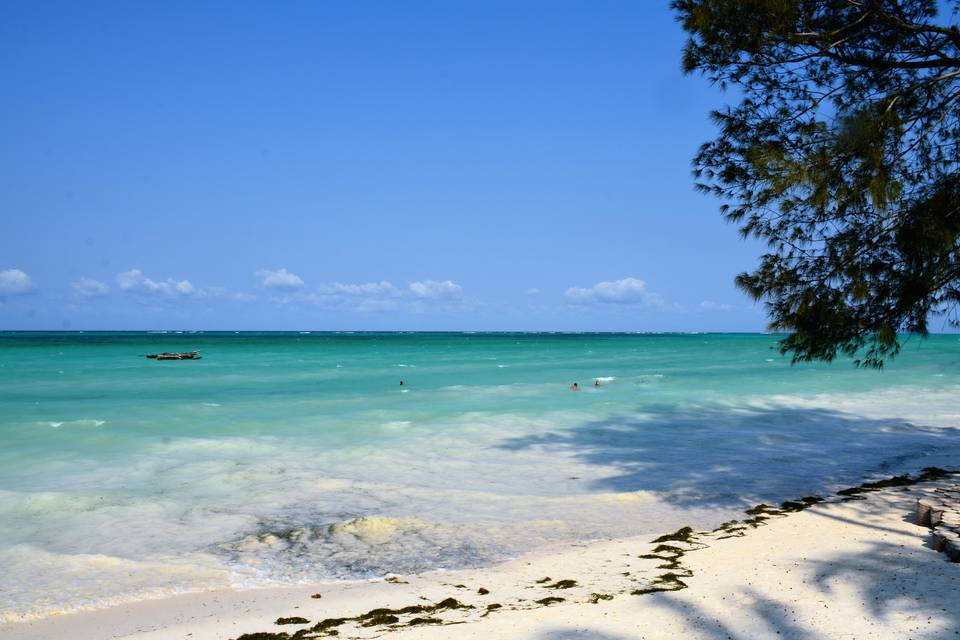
(286, 457)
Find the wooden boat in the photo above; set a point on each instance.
(183, 355)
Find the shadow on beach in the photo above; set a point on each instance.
(881, 587)
(708, 456)
(887, 589)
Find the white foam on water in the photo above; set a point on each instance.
(76, 423)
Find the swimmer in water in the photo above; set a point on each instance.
(401, 383)
(596, 383)
(574, 387)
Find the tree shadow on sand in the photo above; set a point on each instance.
(885, 590)
(579, 634)
(740, 456)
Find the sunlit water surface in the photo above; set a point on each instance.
(291, 457)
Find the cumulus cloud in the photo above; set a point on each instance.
(627, 291)
(89, 288)
(134, 281)
(281, 279)
(433, 290)
(15, 281)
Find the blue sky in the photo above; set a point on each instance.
(358, 165)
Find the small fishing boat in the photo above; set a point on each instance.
(183, 355)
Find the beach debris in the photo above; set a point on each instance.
(292, 620)
(680, 535)
(316, 596)
(665, 582)
(562, 584)
(939, 509)
(181, 355)
(929, 473)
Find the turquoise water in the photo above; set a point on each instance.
(293, 457)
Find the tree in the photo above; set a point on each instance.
(842, 155)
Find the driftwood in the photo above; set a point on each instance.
(940, 510)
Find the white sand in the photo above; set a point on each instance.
(856, 569)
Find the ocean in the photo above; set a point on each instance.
(282, 458)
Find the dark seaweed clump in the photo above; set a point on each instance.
(680, 535)
(562, 584)
(483, 591)
(665, 582)
(929, 473)
(551, 600)
(378, 618)
(291, 620)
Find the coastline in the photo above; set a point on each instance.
(852, 565)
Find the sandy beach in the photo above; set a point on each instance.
(848, 567)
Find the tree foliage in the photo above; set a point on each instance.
(842, 155)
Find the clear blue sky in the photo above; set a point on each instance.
(358, 165)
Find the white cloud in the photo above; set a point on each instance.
(89, 288)
(367, 296)
(627, 291)
(710, 305)
(433, 290)
(226, 294)
(15, 281)
(134, 281)
(368, 289)
(532, 292)
(376, 296)
(281, 279)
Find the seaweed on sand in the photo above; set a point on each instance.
(562, 584)
(929, 473)
(680, 535)
(665, 582)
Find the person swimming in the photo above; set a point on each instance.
(401, 383)
(574, 387)
(596, 383)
